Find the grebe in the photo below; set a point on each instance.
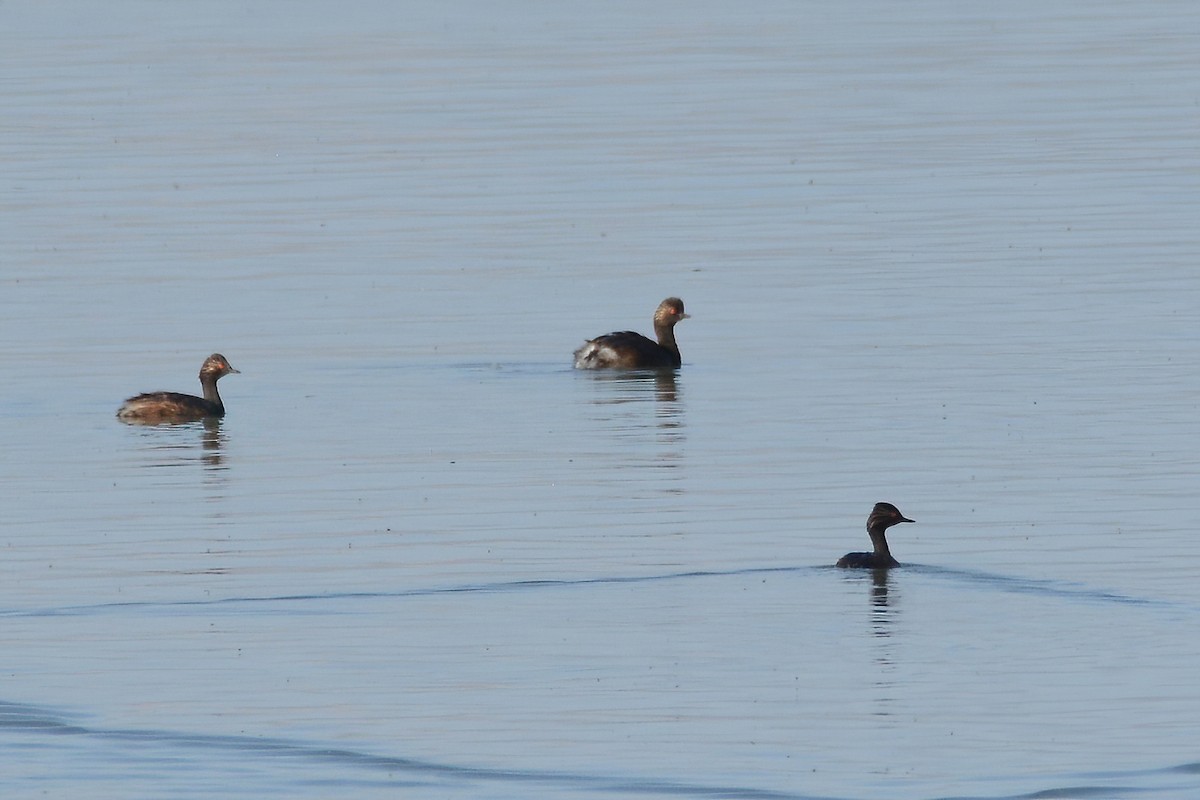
(629, 350)
(883, 516)
(155, 407)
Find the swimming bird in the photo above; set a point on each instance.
(629, 350)
(153, 408)
(883, 516)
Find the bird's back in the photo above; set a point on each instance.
(168, 407)
(624, 350)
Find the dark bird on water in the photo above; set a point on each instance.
(629, 350)
(883, 516)
(153, 408)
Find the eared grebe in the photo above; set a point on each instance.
(883, 516)
(629, 350)
(155, 407)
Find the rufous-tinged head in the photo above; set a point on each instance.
(217, 365)
(670, 311)
(886, 515)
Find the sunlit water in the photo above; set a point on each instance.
(934, 254)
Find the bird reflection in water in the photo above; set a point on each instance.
(212, 444)
(882, 596)
(662, 383)
(640, 408)
(660, 386)
(174, 445)
(881, 610)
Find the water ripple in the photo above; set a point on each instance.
(1061, 590)
(15, 717)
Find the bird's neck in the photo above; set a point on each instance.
(882, 554)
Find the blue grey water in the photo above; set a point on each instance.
(935, 253)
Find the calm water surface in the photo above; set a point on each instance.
(935, 255)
